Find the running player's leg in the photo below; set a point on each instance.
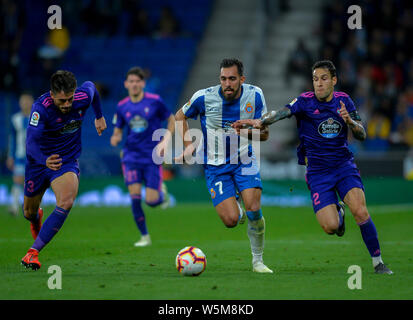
(156, 192)
(356, 201)
(223, 195)
(229, 212)
(248, 182)
(133, 176)
(256, 227)
(17, 187)
(135, 191)
(35, 185)
(329, 213)
(65, 188)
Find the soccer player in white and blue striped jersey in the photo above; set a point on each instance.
(16, 157)
(225, 154)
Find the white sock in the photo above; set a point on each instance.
(256, 234)
(240, 212)
(377, 260)
(16, 191)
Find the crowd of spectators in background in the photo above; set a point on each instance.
(374, 65)
(87, 18)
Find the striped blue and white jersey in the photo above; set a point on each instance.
(17, 137)
(221, 144)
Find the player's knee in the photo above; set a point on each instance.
(230, 221)
(253, 206)
(329, 227)
(361, 214)
(66, 203)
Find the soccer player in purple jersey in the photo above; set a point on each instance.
(53, 145)
(142, 113)
(324, 118)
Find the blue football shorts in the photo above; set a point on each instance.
(325, 185)
(223, 181)
(39, 177)
(150, 174)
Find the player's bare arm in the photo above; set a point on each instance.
(163, 144)
(116, 137)
(180, 118)
(266, 120)
(247, 131)
(355, 125)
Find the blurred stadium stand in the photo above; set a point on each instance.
(181, 43)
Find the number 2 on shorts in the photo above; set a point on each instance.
(316, 196)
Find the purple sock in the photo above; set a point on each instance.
(370, 237)
(138, 214)
(158, 202)
(50, 227)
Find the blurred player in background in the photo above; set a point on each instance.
(16, 158)
(324, 118)
(53, 146)
(143, 113)
(218, 107)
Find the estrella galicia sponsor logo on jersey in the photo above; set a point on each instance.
(138, 124)
(329, 128)
(71, 127)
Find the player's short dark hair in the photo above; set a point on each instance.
(228, 63)
(63, 80)
(137, 71)
(325, 64)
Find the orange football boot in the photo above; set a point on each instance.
(31, 259)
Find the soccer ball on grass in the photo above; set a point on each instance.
(190, 261)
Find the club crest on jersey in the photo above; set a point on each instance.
(249, 108)
(138, 124)
(329, 128)
(34, 120)
(146, 110)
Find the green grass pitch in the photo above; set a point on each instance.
(95, 252)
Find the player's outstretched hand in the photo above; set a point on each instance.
(246, 124)
(54, 162)
(100, 125)
(344, 113)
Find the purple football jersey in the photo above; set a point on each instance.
(52, 132)
(142, 119)
(322, 131)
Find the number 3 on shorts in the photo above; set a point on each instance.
(219, 184)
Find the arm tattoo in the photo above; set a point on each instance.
(274, 116)
(358, 130)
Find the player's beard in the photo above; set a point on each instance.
(231, 96)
